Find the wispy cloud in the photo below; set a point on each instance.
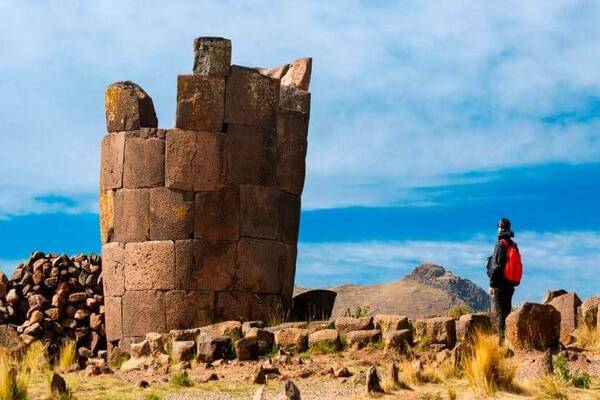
(551, 260)
(404, 93)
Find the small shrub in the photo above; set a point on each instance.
(561, 369)
(459, 310)
(66, 356)
(358, 312)
(181, 379)
(13, 383)
(486, 367)
(550, 387)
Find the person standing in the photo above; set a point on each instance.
(504, 270)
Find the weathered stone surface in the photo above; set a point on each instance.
(225, 328)
(314, 326)
(552, 294)
(347, 324)
(200, 102)
(156, 342)
(291, 391)
(246, 348)
(183, 350)
(467, 326)
(298, 74)
(292, 338)
(251, 98)
(294, 99)
(132, 215)
(114, 322)
(567, 305)
(180, 151)
(140, 349)
(289, 218)
(128, 108)
(589, 311)
(259, 211)
(211, 348)
(9, 339)
(247, 325)
(107, 215)
(385, 322)
(210, 162)
(289, 273)
(250, 152)
(327, 337)
(533, 326)
(360, 339)
(144, 163)
(113, 269)
(212, 56)
(193, 308)
(261, 264)
(264, 339)
(292, 129)
(150, 265)
(147, 303)
(437, 330)
(217, 215)
(397, 339)
(372, 381)
(171, 214)
(58, 386)
(112, 150)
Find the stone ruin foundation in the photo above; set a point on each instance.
(199, 223)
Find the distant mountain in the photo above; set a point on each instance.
(430, 290)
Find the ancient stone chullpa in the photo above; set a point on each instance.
(199, 223)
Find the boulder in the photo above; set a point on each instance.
(372, 378)
(469, 324)
(128, 108)
(264, 339)
(226, 328)
(359, 339)
(552, 294)
(398, 339)
(440, 330)
(156, 341)
(182, 350)
(212, 348)
(58, 386)
(567, 305)
(212, 56)
(327, 337)
(141, 349)
(348, 324)
(246, 326)
(291, 391)
(246, 348)
(9, 339)
(292, 338)
(387, 323)
(589, 311)
(533, 326)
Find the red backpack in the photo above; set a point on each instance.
(513, 270)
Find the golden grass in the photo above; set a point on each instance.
(412, 374)
(66, 356)
(486, 368)
(35, 360)
(549, 387)
(13, 382)
(588, 338)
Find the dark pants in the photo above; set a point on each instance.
(502, 307)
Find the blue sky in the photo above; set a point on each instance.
(429, 121)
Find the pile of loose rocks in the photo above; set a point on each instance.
(51, 297)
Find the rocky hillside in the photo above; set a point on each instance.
(428, 291)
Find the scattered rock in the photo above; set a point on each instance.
(342, 373)
(348, 324)
(246, 348)
(533, 326)
(264, 338)
(360, 339)
(141, 349)
(259, 376)
(372, 378)
(182, 350)
(213, 348)
(58, 386)
(398, 340)
(291, 391)
(143, 384)
(437, 330)
(468, 325)
(327, 337)
(387, 322)
(567, 305)
(292, 338)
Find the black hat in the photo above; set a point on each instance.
(504, 224)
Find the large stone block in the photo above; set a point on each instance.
(251, 155)
(589, 311)
(200, 102)
(288, 273)
(212, 56)
(348, 324)
(150, 265)
(387, 322)
(251, 98)
(107, 215)
(360, 339)
(210, 162)
(289, 218)
(469, 325)
(294, 99)
(259, 211)
(440, 330)
(292, 339)
(113, 318)
(143, 312)
(215, 265)
(180, 150)
(188, 309)
(186, 276)
(113, 269)
(171, 214)
(144, 162)
(567, 305)
(132, 215)
(533, 326)
(247, 306)
(298, 74)
(261, 265)
(217, 215)
(292, 129)
(128, 108)
(112, 150)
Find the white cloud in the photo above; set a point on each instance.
(404, 93)
(566, 260)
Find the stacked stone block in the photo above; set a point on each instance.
(199, 223)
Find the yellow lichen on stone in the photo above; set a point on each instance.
(107, 214)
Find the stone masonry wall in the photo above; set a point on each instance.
(199, 223)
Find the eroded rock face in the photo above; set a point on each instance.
(567, 305)
(533, 326)
(200, 223)
(440, 330)
(469, 325)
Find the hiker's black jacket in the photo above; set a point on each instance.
(496, 264)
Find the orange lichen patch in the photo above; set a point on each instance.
(107, 214)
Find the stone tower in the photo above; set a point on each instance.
(199, 223)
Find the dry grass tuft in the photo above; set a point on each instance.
(549, 387)
(588, 338)
(67, 356)
(413, 374)
(486, 368)
(35, 361)
(13, 382)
